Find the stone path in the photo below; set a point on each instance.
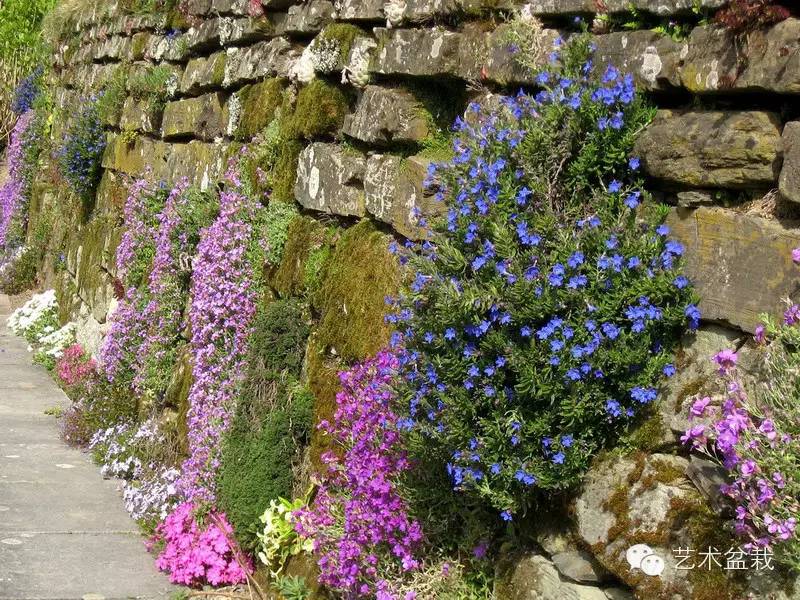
(64, 533)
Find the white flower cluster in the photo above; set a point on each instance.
(54, 343)
(153, 497)
(114, 449)
(36, 318)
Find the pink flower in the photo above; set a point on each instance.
(760, 334)
(792, 315)
(726, 359)
(694, 434)
(748, 467)
(796, 256)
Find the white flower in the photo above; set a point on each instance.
(303, 68)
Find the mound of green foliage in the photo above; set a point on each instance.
(272, 420)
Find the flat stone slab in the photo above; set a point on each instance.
(64, 532)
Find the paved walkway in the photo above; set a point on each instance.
(64, 533)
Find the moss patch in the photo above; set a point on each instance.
(344, 34)
(258, 105)
(355, 282)
(305, 238)
(320, 110)
(323, 381)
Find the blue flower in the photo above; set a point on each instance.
(449, 333)
(575, 260)
(662, 230)
(632, 200)
(558, 458)
(495, 468)
(669, 370)
(680, 282)
(693, 314)
(613, 408)
(506, 516)
(566, 440)
(614, 186)
(634, 163)
(525, 331)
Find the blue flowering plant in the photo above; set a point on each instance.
(542, 312)
(27, 91)
(82, 149)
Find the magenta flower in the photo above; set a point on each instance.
(699, 407)
(760, 334)
(726, 359)
(796, 256)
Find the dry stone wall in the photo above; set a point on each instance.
(723, 150)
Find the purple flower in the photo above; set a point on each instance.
(726, 359)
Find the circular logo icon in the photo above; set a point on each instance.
(636, 553)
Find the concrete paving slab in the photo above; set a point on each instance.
(64, 532)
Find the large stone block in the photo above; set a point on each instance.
(203, 164)
(726, 149)
(768, 59)
(425, 52)
(360, 10)
(245, 30)
(548, 8)
(395, 194)
(202, 117)
(789, 180)
(133, 158)
(652, 58)
(141, 115)
(308, 17)
(740, 264)
(203, 74)
(331, 179)
(387, 116)
(265, 59)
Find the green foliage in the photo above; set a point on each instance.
(111, 100)
(107, 404)
(308, 246)
(259, 103)
(354, 284)
(278, 216)
(81, 152)
(320, 110)
(278, 540)
(152, 85)
(546, 312)
(20, 38)
(272, 421)
(292, 587)
(22, 273)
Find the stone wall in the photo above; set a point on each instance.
(723, 150)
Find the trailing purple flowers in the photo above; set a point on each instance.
(358, 521)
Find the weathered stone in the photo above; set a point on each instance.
(202, 117)
(203, 164)
(90, 256)
(533, 577)
(618, 594)
(142, 69)
(309, 17)
(579, 566)
(740, 264)
(360, 10)
(426, 52)
(694, 198)
(644, 499)
(141, 115)
(133, 158)
(198, 7)
(789, 180)
(160, 48)
(330, 179)
(697, 375)
(727, 149)
(112, 191)
(652, 58)
(265, 59)
(387, 115)
(395, 193)
(204, 37)
(203, 74)
(244, 30)
(707, 477)
(113, 48)
(139, 45)
(768, 59)
(230, 7)
(548, 8)
(491, 58)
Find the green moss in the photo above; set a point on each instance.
(323, 381)
(320, 110)
(355, 282)
(344, 34)
(272, 421)
(151, 85)
(303, 234)
(284, 172)
(259, 103)
(648, 435)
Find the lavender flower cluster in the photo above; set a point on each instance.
(223, 305)
(14, 192)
